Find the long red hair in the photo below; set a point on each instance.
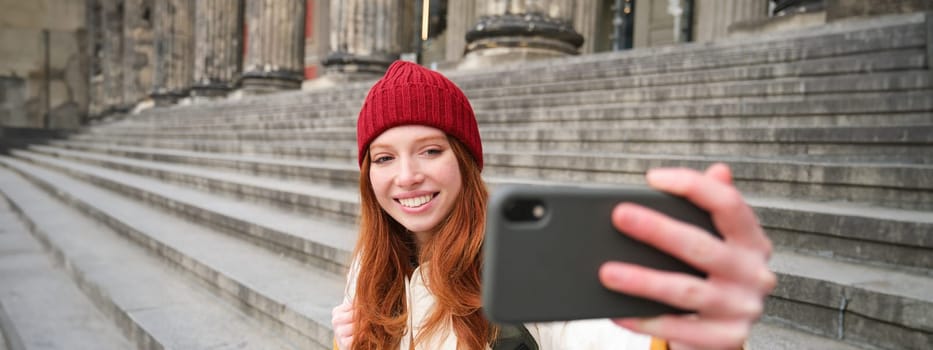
(452, 258)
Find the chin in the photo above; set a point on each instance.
(420, 226)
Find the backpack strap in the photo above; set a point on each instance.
(514, 337)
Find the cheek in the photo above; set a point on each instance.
(453, 177)
(379, 185)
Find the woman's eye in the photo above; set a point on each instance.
(382, 159)
(433, 151)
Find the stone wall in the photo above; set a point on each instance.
(43, 73)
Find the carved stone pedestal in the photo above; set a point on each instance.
(520, 31)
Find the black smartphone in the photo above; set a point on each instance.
(544, 246)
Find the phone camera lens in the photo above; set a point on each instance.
(538, 211)
(525, 210)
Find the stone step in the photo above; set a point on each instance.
(727, 92)
(284, 296)
(880, 183)
(294, 119)
(349, 91)
(155, 305)
(776, 335)
(347, 154)
(899, 143)
(879, 64)
(884, 236)
(885, 308)
(903, 144)
(269, 122)
(779, 110)
(192, 113)
(606, 120)
(870, 109)
(287, 230)
(30, 282)
(900, 239)
(907, 186)
(567, 138)
(562, 94)
(295, 123)
(301, 197)
(793, 78)
(791, 274)
(343, 114)
(898, 33)
(342, 174)
(281, 150)
(340, 135)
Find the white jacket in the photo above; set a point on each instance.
(574, 335)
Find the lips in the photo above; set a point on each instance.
(414, 202)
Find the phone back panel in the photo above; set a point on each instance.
(547, 269)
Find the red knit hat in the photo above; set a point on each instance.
(410, 94)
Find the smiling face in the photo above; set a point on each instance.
(415, 176)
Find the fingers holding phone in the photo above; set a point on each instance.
(730, 299)
(713, 191)
(746, 247)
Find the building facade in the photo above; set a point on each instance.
(123, 53)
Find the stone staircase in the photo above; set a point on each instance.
(230, 224)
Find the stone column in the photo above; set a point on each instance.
(174, 45)
(217, 47)
(95, 36)
(715, 17)
(460, 18)
(366, 36)
(112, 55)
(138, 50)
(274, 45)
(521, 30)
(317, 37)
(585, 22)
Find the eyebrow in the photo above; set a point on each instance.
(418, 140)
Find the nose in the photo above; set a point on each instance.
(409, 173)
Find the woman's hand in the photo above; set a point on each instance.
(342, 321)
(731, 299)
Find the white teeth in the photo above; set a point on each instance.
(416, 201)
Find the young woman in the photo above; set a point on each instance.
(415, 279)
